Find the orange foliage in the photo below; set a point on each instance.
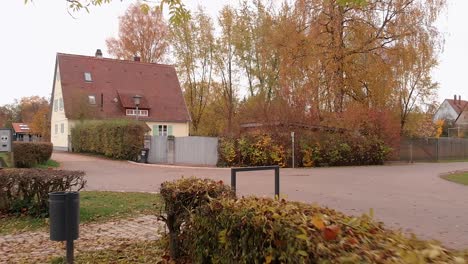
(141, 34)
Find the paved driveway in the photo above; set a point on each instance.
(411, 197)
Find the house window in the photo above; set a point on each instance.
(134, 112)
(87, 77)
(62, 128)
(162, 130)
(92, 99)
(56, 129)
(60, 104)
(55, 105)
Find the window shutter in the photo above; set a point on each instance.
(169, 130)
(155, 130)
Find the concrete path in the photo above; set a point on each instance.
(35, 247)
(411, 197)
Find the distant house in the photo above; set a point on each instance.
(22, 132)
(450, 109)
(93, 87)
(462, 120)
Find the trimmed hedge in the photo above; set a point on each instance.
(311, 151)
(26, 191)
(180, 198)
(260, 230)
(258, 150)
(29, 154)
(118, 139)
(343, 151)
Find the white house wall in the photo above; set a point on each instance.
(445, 111)
(463, 119)
(178, 129)
(58, 137)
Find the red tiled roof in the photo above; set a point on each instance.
(458, 105)
(127, 101)
(21, 128)
(117, 81)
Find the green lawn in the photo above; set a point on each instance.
(94, 207)
(461, 178)
(48, 164)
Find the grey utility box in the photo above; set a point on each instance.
(64, 215)
(5, 140)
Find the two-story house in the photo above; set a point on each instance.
(94, 87)
(450, 109)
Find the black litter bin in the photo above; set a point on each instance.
(64, 215)
(143, 157)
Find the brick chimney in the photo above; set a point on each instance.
(136, 58)
(98, 53)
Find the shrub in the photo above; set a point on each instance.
(332, 149)
(259, 230)
(180, 198)
(25, 191)
(29, 154)
(256, 150)
(214, 227)
(227, 152)
(119, 139)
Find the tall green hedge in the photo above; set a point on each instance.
(118, 139)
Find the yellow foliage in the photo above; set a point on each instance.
(439, 127)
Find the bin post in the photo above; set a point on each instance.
(233, 180)
(68, 221)
(277, 182)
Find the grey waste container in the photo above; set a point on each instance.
(64, 215)
(143, 157)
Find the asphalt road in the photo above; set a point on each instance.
(411, 197)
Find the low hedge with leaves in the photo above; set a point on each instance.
(29, 154)
(311, 151)
(343, 151)
(118, 139)
(213, 227)
(25, 191)
(180, 198)
(256, 150)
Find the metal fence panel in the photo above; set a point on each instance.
(452, 148)
(434, 149)
(196, 150)
(420, 149)
(158, 150)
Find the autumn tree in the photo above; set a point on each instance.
(9, 114)
(29, 106)
(40, 124)
(141, 34)
(225, 66)
(312, 61)
(339, 53)
(178, 12)
(193, 48)
(255, 29)
(33, 110)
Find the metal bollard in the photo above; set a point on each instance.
(64, 218)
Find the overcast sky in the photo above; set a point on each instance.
(32, 34)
